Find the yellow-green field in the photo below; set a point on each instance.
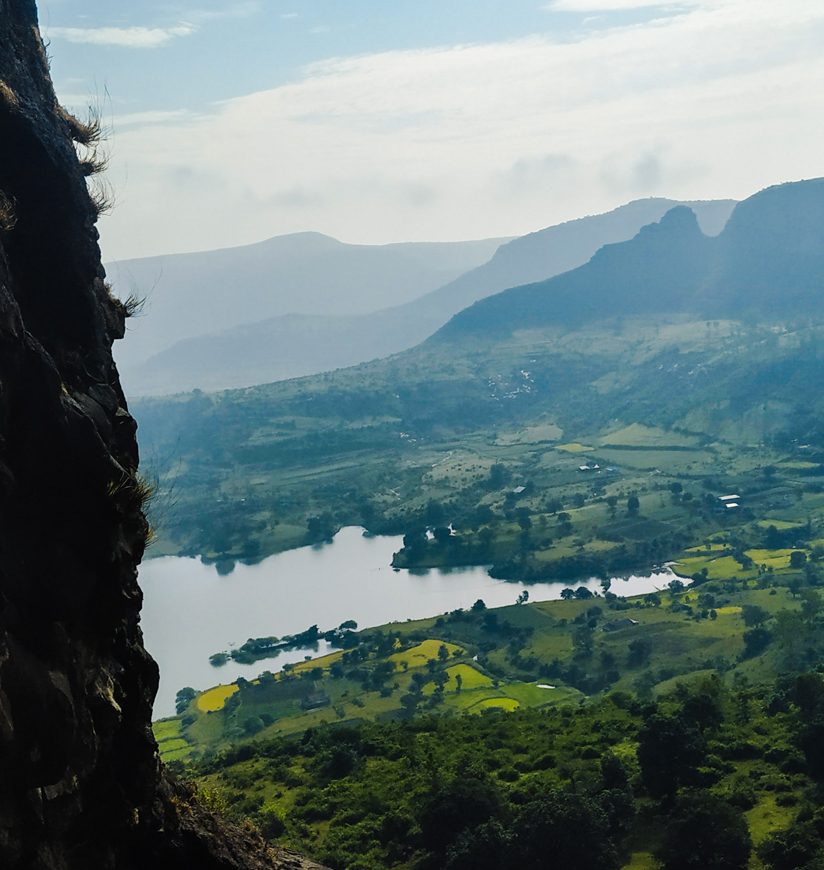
(213, 699)
(418, 656)
(320, 662)
(508, 704)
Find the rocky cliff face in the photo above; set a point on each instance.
(80, 781)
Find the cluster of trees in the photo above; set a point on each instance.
(503, 790)
(257, 648)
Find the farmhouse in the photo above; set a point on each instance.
(590, 466)
(315, 700)
(728, 502)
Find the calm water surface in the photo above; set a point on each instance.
(190, 612)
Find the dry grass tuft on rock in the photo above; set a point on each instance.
(8, 217)
(86, 133)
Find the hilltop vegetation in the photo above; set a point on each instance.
(634, 720)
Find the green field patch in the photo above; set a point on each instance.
(574, 447)
(531, 695)
(471, 677)
(213, 699)
(718, 567)
(779, 525)
(167, 729)
(684, 460)
(321, 662)
(418, 656)
(637, 435)
(532, 435)
(641, 861)
(776, 559)
(767, 817)
(168, 746)
(507, 704)
(707, 548)
(175, 755)
(462, 701)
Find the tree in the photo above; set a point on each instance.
(756, 640)
(522, 598)
(443, 653)
(669, 752)
(458, 683)
(798, 559)
(479, 606)
(810, 604)
(183, 698)
(499, 474)
(753, 615)
(799, 846)
(442, 534)
(456, 806)
(704, 832)
(639, 652)
(612, 503)
(566, 829)
(633, 505)
(486, 847)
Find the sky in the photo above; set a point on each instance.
(376, 121)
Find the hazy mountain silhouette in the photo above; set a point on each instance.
(275, 348)
(196, 294)
(768, 260)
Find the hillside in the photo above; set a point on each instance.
(259, 351)
(617, 346)
(619, 703)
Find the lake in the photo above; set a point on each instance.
(190, 611)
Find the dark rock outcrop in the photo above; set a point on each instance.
(80, 781)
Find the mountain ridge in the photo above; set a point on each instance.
(711, 275)
(295, 345)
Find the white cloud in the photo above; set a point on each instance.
(483, 140)
(121, 37)
(237, 9)
(614, 5)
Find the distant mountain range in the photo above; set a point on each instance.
(328, 288)
(768, 261)
(189, 295)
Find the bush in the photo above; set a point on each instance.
(705, 833)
